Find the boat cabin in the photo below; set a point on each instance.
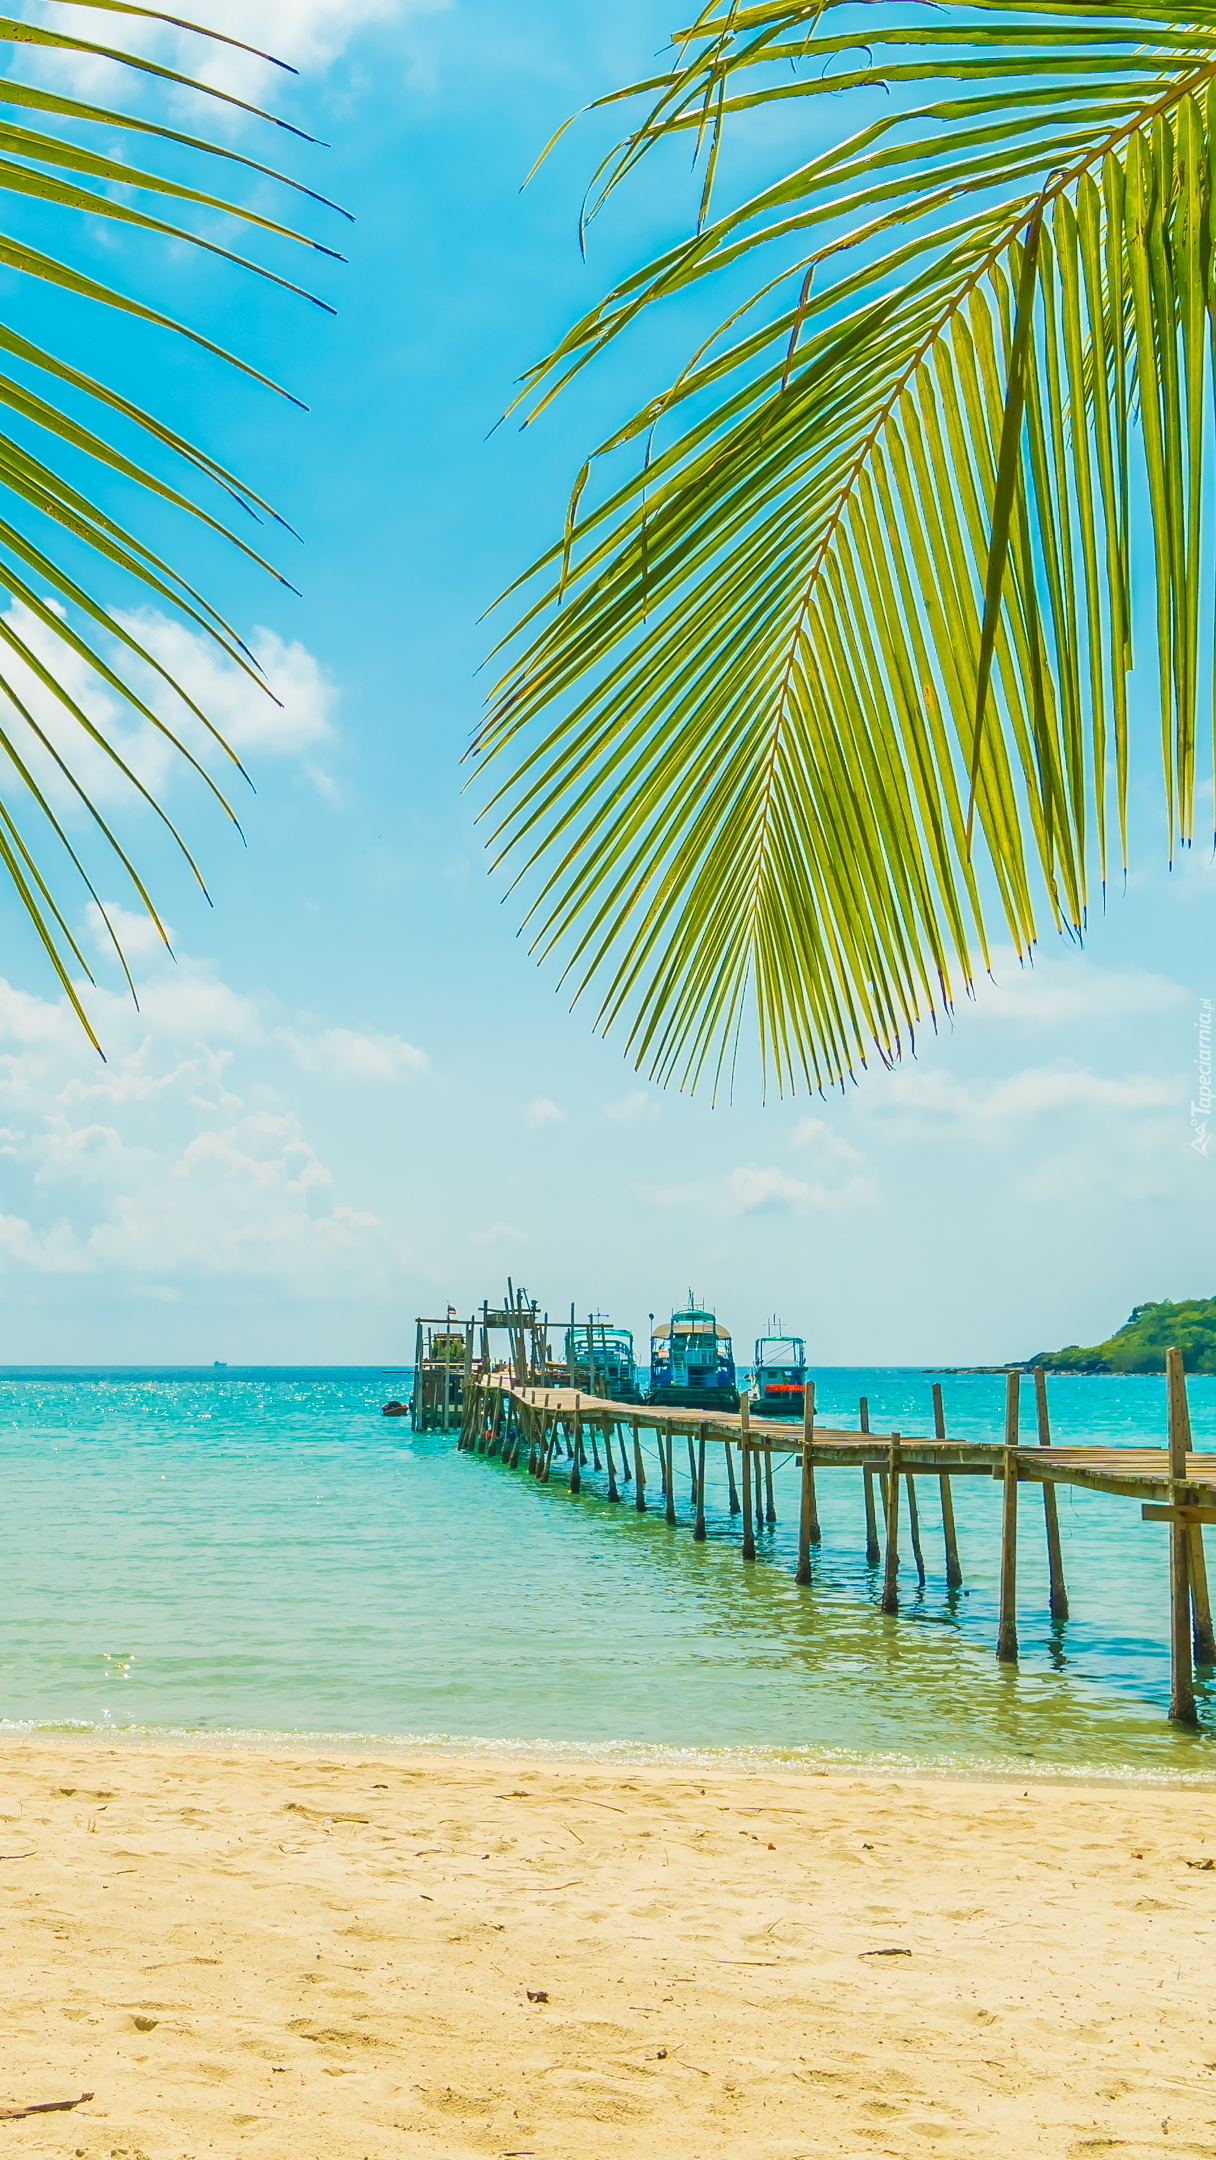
(692, 1364)
(779, 1383)
(599, 1359)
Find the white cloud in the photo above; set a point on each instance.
(154, 1167)
(345, 1054)
(235, 703)
(827, 1146)
(639, 1108)
(499, 1233)
(541, 1111)
(308, 35)
(1057, 993)
(750, 1189)
(937, 1098)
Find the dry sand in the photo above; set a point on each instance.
(318, 1959)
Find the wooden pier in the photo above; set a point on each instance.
(547, 1429)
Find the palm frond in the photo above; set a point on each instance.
(834, 679)
(44, 605)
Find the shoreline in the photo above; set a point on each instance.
(333, 1956)
(477, 1751)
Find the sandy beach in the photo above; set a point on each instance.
(317, 1956)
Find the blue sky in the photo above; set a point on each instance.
(353, 1094)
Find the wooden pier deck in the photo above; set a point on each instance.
(558, 1427)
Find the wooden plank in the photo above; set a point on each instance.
(1178, 1513)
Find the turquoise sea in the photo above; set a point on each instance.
(258, 1552)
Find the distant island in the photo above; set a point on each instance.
(1139, 1346)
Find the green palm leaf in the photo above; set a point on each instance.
(832, 679)
(42, 157)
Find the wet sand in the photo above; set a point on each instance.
(323, 1958)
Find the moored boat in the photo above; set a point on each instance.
(779, 1383)
(599, 1360)
(692, 1365)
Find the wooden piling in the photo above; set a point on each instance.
(873, 1553)
(730, 1479)
(692, 1467)
(1007, 1629)
(954, 1571)
(1182, 1670)
(1058, 1597)
(576, 1457)
(914, 1529)
(639, 1475)
(808, 1513)
(745, 1450)
(698, 1529)
(770, 1505)
(610, 1462)
(1204, 1642)
(626, 1472)
(670, 1474)
(595, 1453)
(890, 1587)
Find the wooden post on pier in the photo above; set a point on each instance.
(770, 1505)
(730, 1479)
(692, 1467)
(890, 1587)
(613, 1494)
(745, 1450)
(1007, 1629)
(1204, 1641)
(595, 1453)
(808, 1512)
(576, 1480)
(698, 1529)
(914, 1529)
(954, 1571)
(1182, 1671)
(873, 1554)
(639, 1476)
(669, 1472)
(1051, 1517)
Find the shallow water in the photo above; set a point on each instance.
(262, 1552)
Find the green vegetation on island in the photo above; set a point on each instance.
(1139, 1346)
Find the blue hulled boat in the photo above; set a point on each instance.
(692, 1365)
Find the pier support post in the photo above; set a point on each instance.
(1007, 1630)
(698, 1529)
(770, 1504)
(890, 1587)
(873, 1554)
(745, 1450)
(669, 1472)
(1204, 1640)
(1051, 1516)
(808, 1513)
(692, 1466)
(626, 1472)
(954, 1570)
(914, 1529)
(576, 1458)
(639, 1476)
(1182, 1671)
(730, 1479)
(613, 1494)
